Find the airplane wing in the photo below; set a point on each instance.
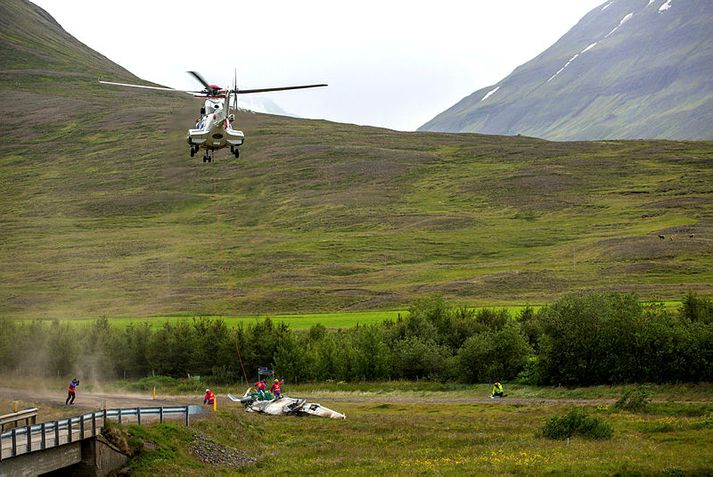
(283, 88)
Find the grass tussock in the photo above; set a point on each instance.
(577, 423)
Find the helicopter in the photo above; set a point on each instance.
(214, 128)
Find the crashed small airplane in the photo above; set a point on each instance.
(284, 406)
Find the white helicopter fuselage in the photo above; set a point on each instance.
(214, 128)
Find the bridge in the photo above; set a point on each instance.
(75, 444)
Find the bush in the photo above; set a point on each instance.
(494, 355)
(634, 400)
(705, 423)
(577, 422)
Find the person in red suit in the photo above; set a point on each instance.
(209, 397)
(71, 391)
(275, 388)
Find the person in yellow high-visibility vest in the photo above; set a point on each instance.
(497, 391)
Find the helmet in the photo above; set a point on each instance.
(75, 380)
(207, 390)
(277, 380)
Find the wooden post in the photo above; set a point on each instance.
(14, 406)
(56, 433)
(29, 438)
(13, 449)
(160, 414)
(43, 441)
(154, 393)
(138, 415)
(81, 427)
(69, 430)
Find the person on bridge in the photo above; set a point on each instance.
(275, 388)
(71, 392)
(497, 391)
(209, 397)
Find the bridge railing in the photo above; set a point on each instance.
(27, 415)
(31, 438)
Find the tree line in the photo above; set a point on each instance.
(581, 339)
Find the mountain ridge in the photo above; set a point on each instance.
(589, 85)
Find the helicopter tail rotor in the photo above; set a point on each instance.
(234, 91)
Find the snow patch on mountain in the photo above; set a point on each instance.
(589, 47)
(490, 93)
(650, 2)
(623, 20)
(626, 18)
(665, 6)
(606, 6)
(562, 69)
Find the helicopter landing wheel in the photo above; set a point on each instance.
(237, 153)
(193, 151)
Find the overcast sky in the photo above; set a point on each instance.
(391, 63)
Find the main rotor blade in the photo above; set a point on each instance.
(148, 87)
(197, 76)
(283, 88)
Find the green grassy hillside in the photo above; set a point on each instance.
(103, 212)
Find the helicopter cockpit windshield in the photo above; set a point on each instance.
(212, 106)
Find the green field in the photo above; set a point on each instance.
(306, 320)
(105, 214)
(426, 434)
(295, 321)
(408, 428)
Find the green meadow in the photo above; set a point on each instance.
(441, 438)
(409, 428)
(301, 321)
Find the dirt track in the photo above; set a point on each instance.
(94, 399)
(98, 400)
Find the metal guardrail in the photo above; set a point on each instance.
(26, 415)
(38, 437)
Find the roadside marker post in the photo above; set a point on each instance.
(154, 393)
(215, 404)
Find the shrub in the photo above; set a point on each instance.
(577, 422)
(696, 308)
(635, 399)
(494, 355)
(705, 423)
